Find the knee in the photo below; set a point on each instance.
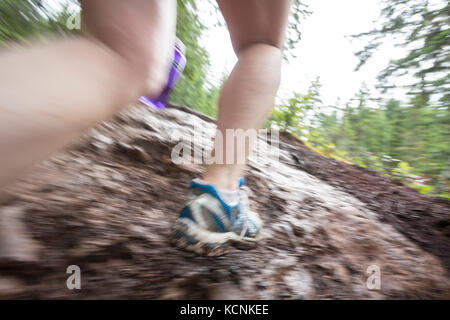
(144, 51)
(151, 67)
(269, 54)
(149, 64)
(147, 67)
(267, 49)
(265, 59)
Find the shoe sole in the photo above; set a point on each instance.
(189, 236)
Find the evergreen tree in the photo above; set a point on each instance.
(424, 27)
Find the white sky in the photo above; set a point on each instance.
(325, 50)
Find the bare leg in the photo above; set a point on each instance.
(51, 93)
(257, 33)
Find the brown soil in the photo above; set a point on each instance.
(425, 220)
(108, 203)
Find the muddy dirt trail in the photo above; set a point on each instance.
(108, 203)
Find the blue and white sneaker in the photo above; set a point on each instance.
(209, 226)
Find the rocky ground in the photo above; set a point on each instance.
(108, 203)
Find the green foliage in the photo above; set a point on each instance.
(22, 19)
(408, 142)
(293, 114)
(424, 29)
(288, 116)
(193, 89)
(299, 11)
(377, 137)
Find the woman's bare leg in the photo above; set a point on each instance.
(50, 93)
(257, 30)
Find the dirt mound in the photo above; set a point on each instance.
(424, 220)
(107, 206)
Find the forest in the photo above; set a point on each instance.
(405, 139)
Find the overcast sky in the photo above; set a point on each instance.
(325, 50)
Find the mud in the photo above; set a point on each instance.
(425, 220)
(108, 203)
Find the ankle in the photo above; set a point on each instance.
(224, 184)
(222, 181)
